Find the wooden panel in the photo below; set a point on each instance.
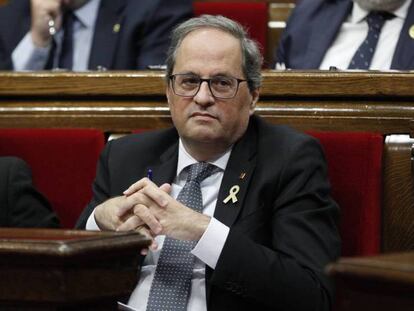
(276, 84)
(398, 211)
(45, 269)
(381, 283)
(122, 101)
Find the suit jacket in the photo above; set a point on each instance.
(21, 205)
(314, 25)
(142, 40)
(282, 228)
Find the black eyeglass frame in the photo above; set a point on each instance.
(172, 78)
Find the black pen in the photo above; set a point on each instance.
(149, 174)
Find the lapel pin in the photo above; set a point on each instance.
(411, 32)
(242, 175)
(116, 28)
(232, 194)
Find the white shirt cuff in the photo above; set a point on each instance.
(26, 56)
(209, 247)
(91, 223)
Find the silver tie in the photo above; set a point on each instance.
(172, 280)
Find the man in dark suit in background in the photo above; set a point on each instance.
(324, 33)
(261, 229)
(21, 205)
(106, 34)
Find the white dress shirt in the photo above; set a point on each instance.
(26, 56)
(353, 32)
(206, 251)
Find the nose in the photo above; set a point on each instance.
(204, 96)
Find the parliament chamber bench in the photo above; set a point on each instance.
(363, 120)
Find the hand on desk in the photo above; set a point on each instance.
(150, 210)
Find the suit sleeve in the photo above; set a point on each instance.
(154, 41)
(14, 24)
(26, 207)
(101, 187)
(5, 60)
(282, 51)
(276, 255)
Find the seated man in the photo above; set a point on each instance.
(239, 210)
(21, 205)
(89, 34)
(349, 34)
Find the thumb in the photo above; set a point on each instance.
(166, 188)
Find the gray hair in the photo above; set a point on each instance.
(251, 57)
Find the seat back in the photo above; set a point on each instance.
(252, 15)
(63, 163)
(355, 171)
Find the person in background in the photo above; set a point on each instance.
(239, 211)
(89, 34)
(21, 205)
(346, 34)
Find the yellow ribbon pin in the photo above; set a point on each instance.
(411, 31)
(116, 28)
(232, 195)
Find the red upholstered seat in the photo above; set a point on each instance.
(354, 164)
(252, 15)
(63, 163)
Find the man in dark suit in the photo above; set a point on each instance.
(106, 34)
(21, 205)
(324, 33)
(267, 224)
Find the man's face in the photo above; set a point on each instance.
(380, 5)
(209, 52)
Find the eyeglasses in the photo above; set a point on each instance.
(188, 85)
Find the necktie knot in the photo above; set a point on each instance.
(199, 171)
(363, 56)
(68, 19)
(376, 19)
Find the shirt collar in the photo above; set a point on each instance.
(358, 14)
(88, 13)
(185, 159)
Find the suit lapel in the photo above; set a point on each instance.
(166, 169)
(403, 56)
(238, 174)
(324, 31)
(242, 162)
(107, 30)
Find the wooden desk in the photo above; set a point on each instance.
(45, 269)
(377, 283)
(119, 102)
(124, 101)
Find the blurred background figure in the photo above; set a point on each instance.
(88, 34)
(358, 34)
(21, 205)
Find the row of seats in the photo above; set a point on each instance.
(63, 163)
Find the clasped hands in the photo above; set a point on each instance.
(150, 210)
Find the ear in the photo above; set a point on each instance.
(255, 99)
